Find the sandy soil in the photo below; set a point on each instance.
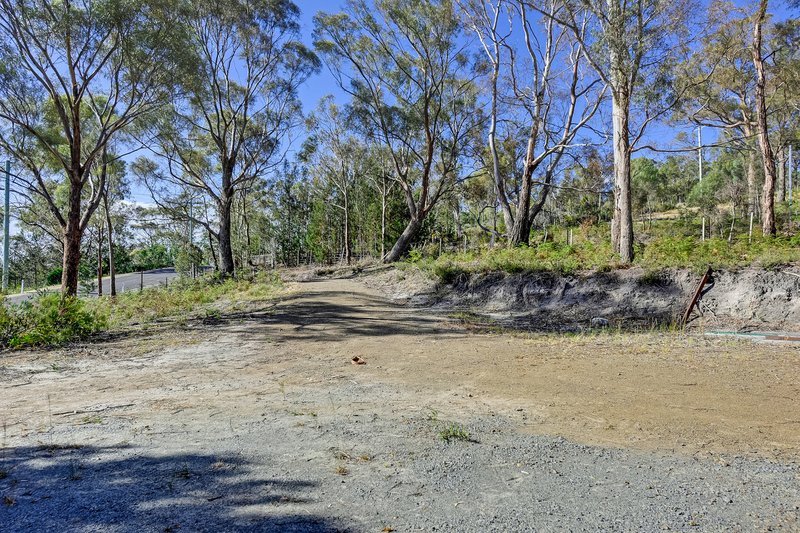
(172, 410)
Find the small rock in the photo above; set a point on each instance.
(600, 322)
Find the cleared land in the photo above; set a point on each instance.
(258, 421)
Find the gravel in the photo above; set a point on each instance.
(326, 464)
(264, 425)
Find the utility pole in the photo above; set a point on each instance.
(700, 151)
(700, 169)
(6, 225)
(191, 236)
(791, 168)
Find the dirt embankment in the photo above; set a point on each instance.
(746, 299)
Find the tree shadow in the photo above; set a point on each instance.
(326, 317)
(121, 489)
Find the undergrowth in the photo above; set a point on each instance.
(48, 320)
(591, 251)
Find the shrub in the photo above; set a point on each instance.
(54, 277)
(48, 320)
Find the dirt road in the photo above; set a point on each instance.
(259, 422)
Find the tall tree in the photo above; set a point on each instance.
(632, 46)
(338, 159)
(74, 75)
(404, 62)
(764, 144)
(543, 91)
(240, 105)
(723, 96)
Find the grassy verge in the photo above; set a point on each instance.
(49, 320)
(590, 252)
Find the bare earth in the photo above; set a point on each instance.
(259, 422)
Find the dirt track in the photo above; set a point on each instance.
(259, 422)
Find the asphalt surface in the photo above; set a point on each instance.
(131, 281)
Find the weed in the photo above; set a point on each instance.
(48, 320)
(52, 320)
(454, 432)
(651, 277)
(342, 470)
(75, 471)
(669, 244)
(213, 314)
(182, 473)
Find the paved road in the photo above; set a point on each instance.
(125, 282)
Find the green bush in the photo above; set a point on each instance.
(48, 320)
(54, 277)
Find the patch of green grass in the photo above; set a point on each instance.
(186, 297)
(454, 432)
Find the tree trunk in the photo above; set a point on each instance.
(111, 272)
(211, 247)
(622, 224)
(348, 252)
(519, 232)
(752, 196)
(403, 242)
(383, 226)
(100, 261)
(767, 156)
(226, 266)
(72, 244)
(781, 175)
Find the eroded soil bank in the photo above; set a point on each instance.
(258, 421)
(632, 298)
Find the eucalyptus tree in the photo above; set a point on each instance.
(764, 144)
(73, 76)
(633, 47)
(405, 64)
(543, 90)
(230, 125)
(337, 159)
(725, 100)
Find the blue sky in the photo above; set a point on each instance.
(323, 83)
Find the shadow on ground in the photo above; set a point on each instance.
(337, 315)
(56, 488)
